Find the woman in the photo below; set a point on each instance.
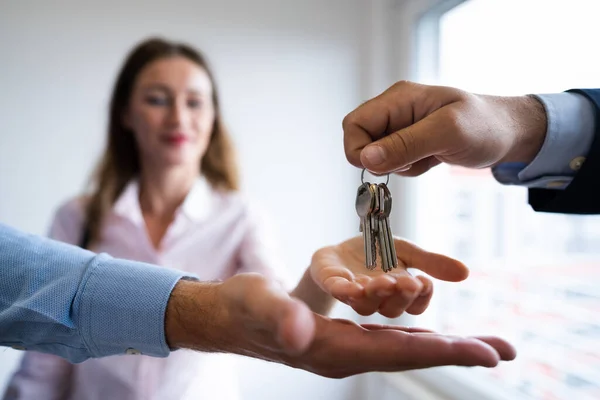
(166, 192)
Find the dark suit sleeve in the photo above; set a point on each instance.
(582, 196)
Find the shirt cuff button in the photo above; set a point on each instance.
(576, 163)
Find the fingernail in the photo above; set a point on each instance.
(404, 169)
(374, 154)
(408, 297)
(425, 292)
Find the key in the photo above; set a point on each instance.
(383, 239)
(373, 206)
(378, 228)
(385, 216)
(372, 239)
(384, 213)
(374, 225)
(364, 206)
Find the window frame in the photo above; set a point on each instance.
(421, 63)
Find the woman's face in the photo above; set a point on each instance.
(171, 112)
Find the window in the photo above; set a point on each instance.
(535, 277)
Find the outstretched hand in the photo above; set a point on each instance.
(340, 271)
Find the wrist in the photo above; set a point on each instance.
(529, 123)
(311, 293)
(193, 319)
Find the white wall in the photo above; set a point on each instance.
(288, 72)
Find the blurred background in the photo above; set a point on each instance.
(288, 72)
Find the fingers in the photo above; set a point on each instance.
(342, 348)
(270, 308)
(388, 348)
(406, 290)
(425, 350)
(388, 112)
(389, 294)
(378, 327)
(434, 349)
(436, 265)
(376, 291)
(406, 146)
(506, 351)
(418, 168)
(421, 302)
(402, 124)
(361, 127)
(338, 281)
(342, 288)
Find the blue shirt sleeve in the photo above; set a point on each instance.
(59, 299)
(569, 136)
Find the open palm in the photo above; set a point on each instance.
(340, 271)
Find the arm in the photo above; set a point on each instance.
(568, 148)
(411, 128)
(59, 299)
(46, 375)
(581, 195)
(255, 317)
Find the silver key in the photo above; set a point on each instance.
(383, 231)
(364, 207)
(374, 225)
(374, 205)
(385, 216)
(379, 229)
(383, 239)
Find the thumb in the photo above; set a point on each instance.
(296, 328)
(405, 147)
(289, 319)
(436, 265)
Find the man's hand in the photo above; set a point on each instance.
(252, 316)
(411, 128)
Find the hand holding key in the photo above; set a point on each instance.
(410, 128)
(340, 271)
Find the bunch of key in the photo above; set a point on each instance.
(374, 205)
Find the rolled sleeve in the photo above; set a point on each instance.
(121, 307)
(59, 299)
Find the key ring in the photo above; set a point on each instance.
(362, 177)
